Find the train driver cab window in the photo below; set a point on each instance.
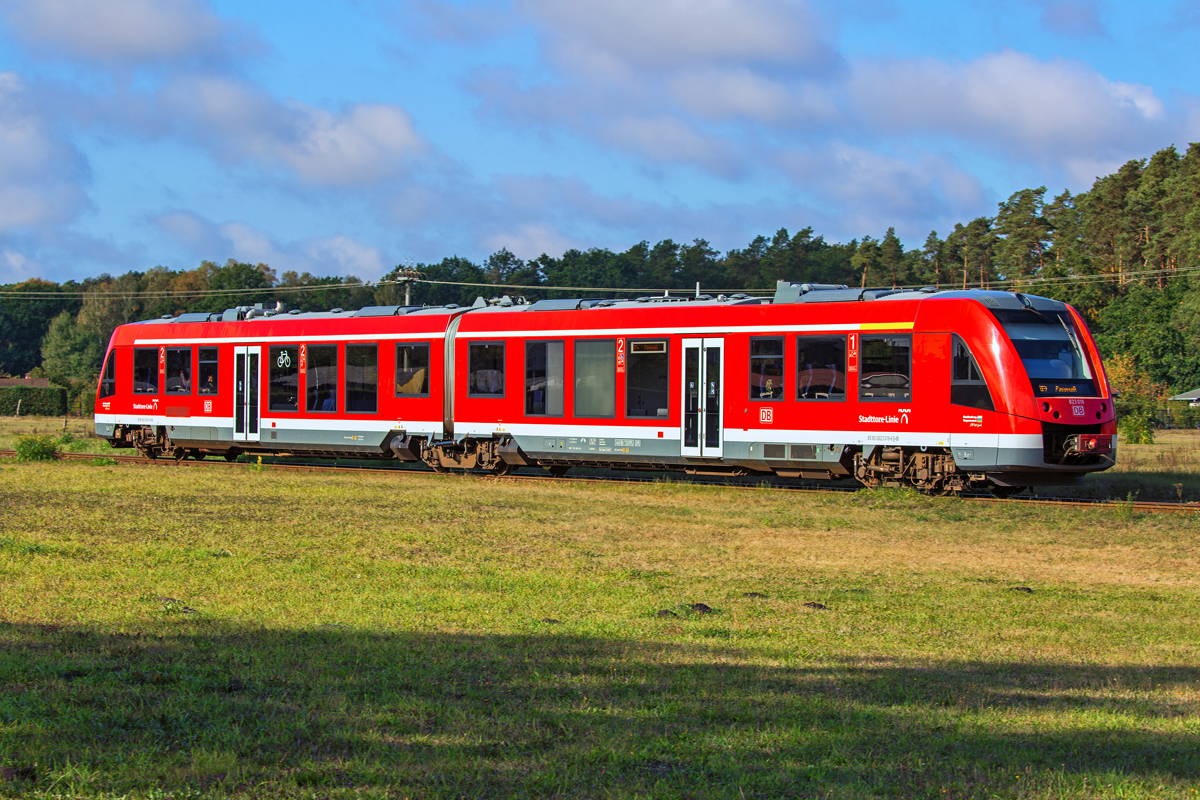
(820, 367)
(108, 378)
(362, 378)
(179, 370)
(145, 370)
(967, 386)
(284, 378)
(885, 371)
(320, 378)
(209, 375)
(412, 370)
(485, 369)
(646, 379)
(766, 369)
(596, 378)
(545, 368)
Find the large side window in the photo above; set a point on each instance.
(362, 378)
(412, 369)
(766, 369)
(595, 378)
(544, 379)
(108, 378)
(886, 368)
(820, 367)
(145, 370)
(485, 369)
(646, 379)
(967, 386)
(320, 378)
(284, 378)
(209, 375)
(179, 370)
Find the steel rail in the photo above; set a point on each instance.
(1140, 506)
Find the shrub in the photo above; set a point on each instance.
(1136, 428)
(36, 401)
(36, 448)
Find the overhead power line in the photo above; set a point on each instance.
(594, 290)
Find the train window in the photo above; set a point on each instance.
(967, 386)
(362, 378)
(766, 369)
(412, 370)
(108, 378)
(209, 375)
(646, 379)
(320, 378)
(820, 367)
(145, 370)
(886, 368)
(284, 378)
(545, 369)
(179, 370)
(485, 369)
(596, 378)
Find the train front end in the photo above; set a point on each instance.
(1062, 412)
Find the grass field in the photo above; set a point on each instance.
(187, 633)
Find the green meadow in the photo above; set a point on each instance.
(248, 633)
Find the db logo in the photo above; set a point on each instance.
(1077, 410)
(766, 416)
(208, 406)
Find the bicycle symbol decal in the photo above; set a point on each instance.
(284, 360)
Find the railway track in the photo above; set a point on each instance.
(1140, 506)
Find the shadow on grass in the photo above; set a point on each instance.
(236, 712)
(1162, 486)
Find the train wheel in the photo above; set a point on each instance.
(502, 468)
(558, 470)
(1004, 492)
(231, 455)
(196, 455)
(179, 454)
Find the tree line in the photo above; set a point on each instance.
(1126, 253)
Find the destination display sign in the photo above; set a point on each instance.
(1050, 388)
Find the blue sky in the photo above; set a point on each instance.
(346, 136)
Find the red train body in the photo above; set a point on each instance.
(942, 390)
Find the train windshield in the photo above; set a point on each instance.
(1049, 346)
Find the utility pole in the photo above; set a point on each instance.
(407, 276)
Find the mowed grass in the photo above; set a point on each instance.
(242, 633)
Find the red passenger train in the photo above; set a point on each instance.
(941, 390)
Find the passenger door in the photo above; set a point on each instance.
(246, 367)
(703, 393)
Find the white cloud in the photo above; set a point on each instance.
(877, 191)
(16, 267)
(335, 254)
(361, 145)
(1009, 100)
(41, 177)
(118, 31)
(347, 256)
(531, 240)
(667, 139)
(665, 33)
(735, 92)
